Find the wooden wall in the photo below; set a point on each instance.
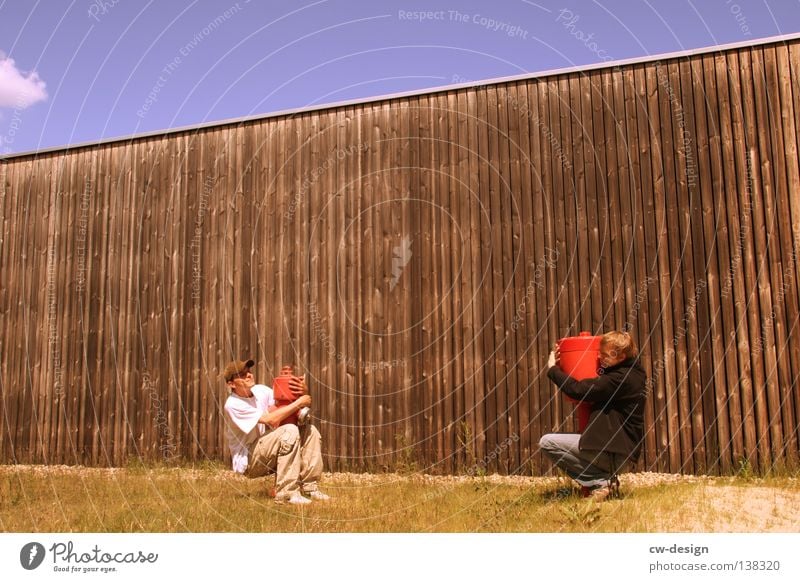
(418, 257)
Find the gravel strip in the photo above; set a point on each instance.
(634, 480)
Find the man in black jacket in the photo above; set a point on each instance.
(615, 431)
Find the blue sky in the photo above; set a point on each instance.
(87, 70)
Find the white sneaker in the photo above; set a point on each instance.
(294, 499)
(319, 496)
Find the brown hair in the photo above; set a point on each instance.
(620, 342)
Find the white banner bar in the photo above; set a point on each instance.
(396, 557)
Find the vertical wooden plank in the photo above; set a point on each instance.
(637, 213)
(60, 380)
(391, 212)
(686, 338)
(322, 340)
(112, 418)
(715, 234)
(14, 345)
(483, 106)
(7, 403)
(785, 305)
(367, 229)
(593, 207)
(76, 227)
(577, 207)
(195, 336)
(515, 277)
(516, 105)
(703, 258)
(497, 424)
(287, 208)
(43, 355)
(667, 372)
(49, 336)
(599, 150)
(418, 387)
(44, 307)
(476, 223)
(660, 275)
(142, 283)
(351, 275)
(337, 236)
(168, 274)
(308, 127)
(454, 243)
(217, 349)
(177, 384)
(751, 210)
(768, 244)
(461, 197)
(409, 175)
(396, 283)
(132, 250)
(523, 326)
(647, 265)
(360, 226)
(541, 320)
(789, 79)
(613, 179)
(441, 378)
(694, 282)
(546, 130)
(569, 211)
(621, 101)
(715, 420)
(560, 164)
(31, 309)
(99, 307)
(506, 341)
(382, 261)
(732, 268)
(81, 167)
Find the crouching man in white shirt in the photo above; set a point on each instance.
(260, 445)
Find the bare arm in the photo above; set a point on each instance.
(273, 418)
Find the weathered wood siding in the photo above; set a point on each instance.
(417, 257)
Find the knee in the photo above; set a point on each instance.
(290, 436)
(547, 442)
(313, 432)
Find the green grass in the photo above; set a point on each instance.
(208, 498)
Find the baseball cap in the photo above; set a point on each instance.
(236, 367)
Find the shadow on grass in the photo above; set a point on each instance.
(572, 494)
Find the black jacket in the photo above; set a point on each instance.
(616, 421)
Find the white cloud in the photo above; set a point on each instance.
(17, 88)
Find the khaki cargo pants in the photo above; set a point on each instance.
(295, 455)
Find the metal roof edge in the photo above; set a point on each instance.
(427, 91)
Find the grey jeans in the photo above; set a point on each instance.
(589, 468)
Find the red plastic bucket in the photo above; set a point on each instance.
(283, 395)
(579, 357)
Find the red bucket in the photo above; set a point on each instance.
(283, 395)
(579, 357)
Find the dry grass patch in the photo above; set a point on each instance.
(208, 498)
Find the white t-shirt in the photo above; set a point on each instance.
(242, 427)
